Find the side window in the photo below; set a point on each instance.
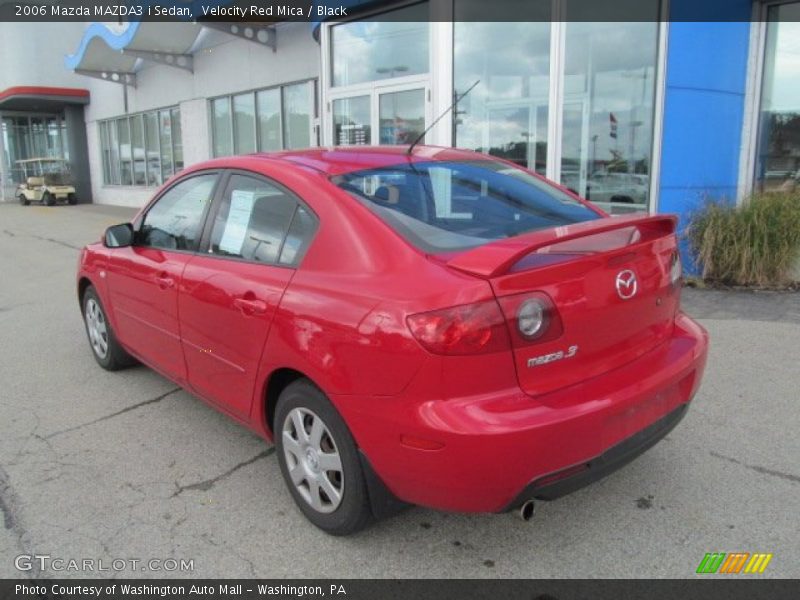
(299, 237)
(175, 221)
(261, 222)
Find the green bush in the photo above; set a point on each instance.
(756, 244)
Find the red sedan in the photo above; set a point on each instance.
(437, 328)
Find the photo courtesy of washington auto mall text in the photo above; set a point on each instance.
(70, 591)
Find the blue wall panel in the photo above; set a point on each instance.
(703, 108)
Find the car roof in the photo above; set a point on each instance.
(346, 159)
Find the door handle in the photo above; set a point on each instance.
(165, 281)
(250, 306)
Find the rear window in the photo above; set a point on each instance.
(447, 206)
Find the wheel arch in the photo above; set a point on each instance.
(277, 381)
(83, 284)
(382, 502)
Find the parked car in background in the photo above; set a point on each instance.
(623, 188)
(46, 180)
(432, 327)
(619, 193)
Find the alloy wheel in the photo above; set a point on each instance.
(97, 328)
(313, 460)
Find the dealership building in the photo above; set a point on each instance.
(652, 115)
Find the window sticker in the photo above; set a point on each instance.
(238, 221)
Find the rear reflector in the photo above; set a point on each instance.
(467, 329)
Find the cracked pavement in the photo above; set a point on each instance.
(124, 465)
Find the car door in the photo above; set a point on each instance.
(255, 237)
(143, 279)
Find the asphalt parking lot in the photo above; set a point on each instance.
(125, 466)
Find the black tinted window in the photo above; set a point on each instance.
(442, 206)
(253, 220)
(175, 220)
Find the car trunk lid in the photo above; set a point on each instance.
(611, 286)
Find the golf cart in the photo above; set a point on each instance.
(47, 180)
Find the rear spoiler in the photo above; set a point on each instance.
(496, 258)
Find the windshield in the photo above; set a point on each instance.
(55, 172)
(447, 206)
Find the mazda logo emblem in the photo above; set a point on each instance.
(627, 285)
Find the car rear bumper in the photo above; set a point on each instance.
(574, 478)
(491, 452)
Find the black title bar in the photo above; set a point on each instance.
(732, 588)
(439, 10)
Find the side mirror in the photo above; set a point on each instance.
(118, 236)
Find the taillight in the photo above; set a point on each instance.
(467, 329)
(532, 318)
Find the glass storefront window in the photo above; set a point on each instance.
(177, 139)
(609, 90)
(402, 116)
(778, 160)
(268, 103)
(351, 121)
(15, 141)
(104, 150)
(244, 124)
(165, 131)
(153, 149)
(221, 130)
(265, 120)
(143, 149)
(53, 138)
(606, 103)
(137, 145)
(113, 149)
(367, 50)
(506, 114)
(38, 136)
(125, 159)
(297, 111)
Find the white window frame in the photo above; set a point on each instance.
(391, 84)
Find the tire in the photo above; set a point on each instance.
(48, 199)
(72, 199)
(303, 404)
(23, 200)
(102, 341)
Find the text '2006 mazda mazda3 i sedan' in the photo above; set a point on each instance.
(432, 327)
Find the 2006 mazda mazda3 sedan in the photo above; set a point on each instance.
(432, 327)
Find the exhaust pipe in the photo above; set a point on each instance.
(527, 510)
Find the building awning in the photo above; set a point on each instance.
(114, 54)
(41, 99)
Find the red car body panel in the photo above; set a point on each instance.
(467, 432)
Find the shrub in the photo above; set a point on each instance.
(754, 244)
